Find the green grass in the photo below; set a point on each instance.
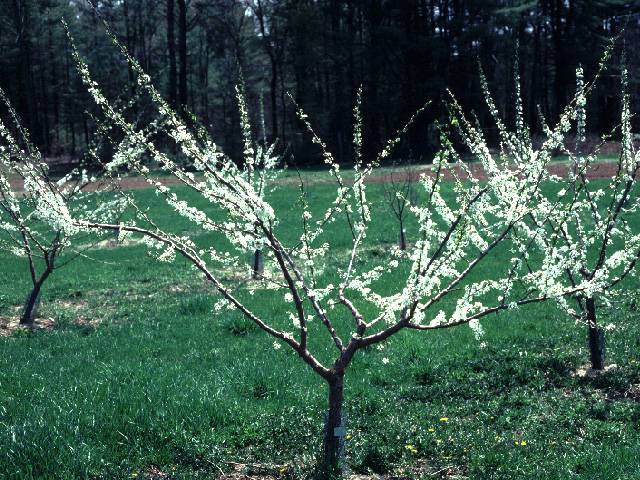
(161, 382)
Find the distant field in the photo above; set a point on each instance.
(141, 379)
(603, 167)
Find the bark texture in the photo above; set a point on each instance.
(333, 445)
(402, 241)
(31, 306)
(257, 264)
(596, 337)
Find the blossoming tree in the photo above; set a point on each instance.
(587, 237)
(259, 166)
(463, 224)
(37, 223)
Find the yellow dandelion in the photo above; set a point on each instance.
(431, 429)
(412, 449)
(444, 419)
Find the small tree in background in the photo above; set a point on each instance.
(259, 166)
(401, 193)
(482, 222)
(36, 223)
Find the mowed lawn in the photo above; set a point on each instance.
(141, 378)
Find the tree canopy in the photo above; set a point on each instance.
(403, 53)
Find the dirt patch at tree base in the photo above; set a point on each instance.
(10, 325)
(78, 309)
(587, 372)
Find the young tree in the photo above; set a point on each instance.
(588, 236)
(259, 166)
(36, 223)
(400, 193)
(581, 235)
(482, 222)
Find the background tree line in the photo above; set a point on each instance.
(403, 52)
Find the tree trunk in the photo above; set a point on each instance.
(31, 305)
(274, 99)
(402, 242)
(171, 46)
(334, 431)
(182, 53)
(258, 264)
(596, 337)
(130, 43)
(33, 300)
(24, 85)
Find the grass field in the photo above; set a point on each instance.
(141, 379)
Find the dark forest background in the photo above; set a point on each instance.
(403, 52)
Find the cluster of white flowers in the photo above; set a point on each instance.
(537, 244)
(583, 240)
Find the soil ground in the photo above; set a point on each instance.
(598, 170)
